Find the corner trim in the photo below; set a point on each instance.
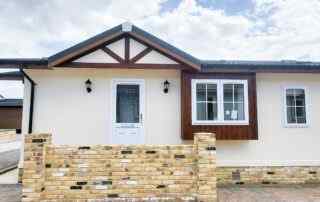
(31, 106)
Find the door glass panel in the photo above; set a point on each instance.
(128, 103)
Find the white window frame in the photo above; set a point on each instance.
(220, 118)
(306, 100)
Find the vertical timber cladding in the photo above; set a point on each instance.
(223, 132)
(163, 172)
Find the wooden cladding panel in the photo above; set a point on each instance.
(11, 117)
(223, 132)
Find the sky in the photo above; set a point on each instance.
(207, 29)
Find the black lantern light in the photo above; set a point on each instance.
(166, 85)
(88, 85)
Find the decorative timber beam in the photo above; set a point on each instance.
(141, 55)
(113, 54)
(122, 65)
(126, 49)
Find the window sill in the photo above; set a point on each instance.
(296, 126)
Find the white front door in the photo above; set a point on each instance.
(128, 111)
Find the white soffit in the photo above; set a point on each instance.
(98, 56)
(117, 47)
(155, 57)
(135, 48)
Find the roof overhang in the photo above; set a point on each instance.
(233, 66)
(14, 75)
(22, 63)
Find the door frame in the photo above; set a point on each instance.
(130, 81)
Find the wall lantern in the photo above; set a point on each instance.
(166, 85)
(88, 85)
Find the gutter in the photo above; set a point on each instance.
(33, 84)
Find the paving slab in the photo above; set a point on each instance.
(289, 193)
(10, 193)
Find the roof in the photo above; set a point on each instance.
(204, 65)
(22, 62)
(11, 102)
(100, 37)
(13, 75)
(256, 66)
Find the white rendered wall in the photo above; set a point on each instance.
(277, 144)
(73, 116)
(63, 107)
(97, 56)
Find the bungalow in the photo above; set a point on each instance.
(11, 114)
(126, 86)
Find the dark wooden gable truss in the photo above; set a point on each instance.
(127, 61)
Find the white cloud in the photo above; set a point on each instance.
(273, 30)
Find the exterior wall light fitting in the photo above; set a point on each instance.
(166, 85)
(88, 86)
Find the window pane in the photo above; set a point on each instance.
(301, 115)
(291, 115)
(228, 92)
(228, 107)
(300, 97)
(201, 111)
(238, 92)
(201, 92)
(212, 92)
(212, 111)
(238, 113)
(234, 112)
(290, 97)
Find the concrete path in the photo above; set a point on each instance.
(9, 160)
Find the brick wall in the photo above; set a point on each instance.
(33, 166)
(268, 175)
(171, 172)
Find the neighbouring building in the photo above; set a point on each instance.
(10, 108)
